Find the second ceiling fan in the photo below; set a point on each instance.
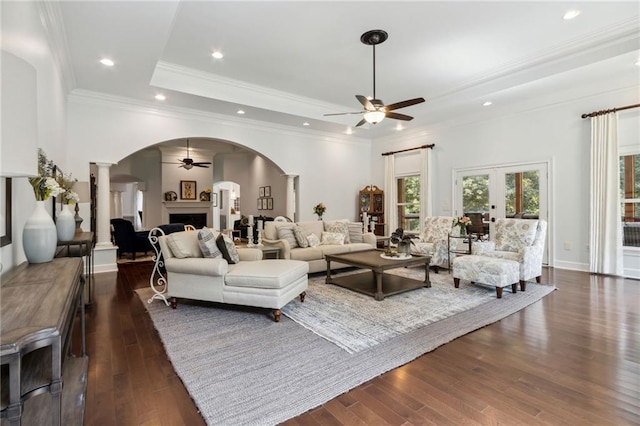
(188, 162)
(375, 110)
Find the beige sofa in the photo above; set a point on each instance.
(181, 271)
(290, 248)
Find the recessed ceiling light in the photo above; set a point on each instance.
(305, 123)
(570, 14)
(160, 97)
(107, 62)
(399, 127)
(240, 112)
(217, 55)
(349, 131)
(638, 63)
(487, 103)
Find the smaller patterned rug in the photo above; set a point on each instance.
(356, 322)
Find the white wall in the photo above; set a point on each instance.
(555, 133)
(22, 35)
(100, 130)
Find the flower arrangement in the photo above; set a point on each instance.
(45, 185)
(319, 209)
(66, 182)
(462, 222)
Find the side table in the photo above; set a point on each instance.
(80, 246)
(454, 249)
(266, 250)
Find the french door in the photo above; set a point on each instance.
(487, 194)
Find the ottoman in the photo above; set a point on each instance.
(487, 270)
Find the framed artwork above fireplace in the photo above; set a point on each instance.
(188, 190)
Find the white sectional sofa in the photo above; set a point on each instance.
(288, 236)
(183, 271)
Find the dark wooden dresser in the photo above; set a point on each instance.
(43, 383)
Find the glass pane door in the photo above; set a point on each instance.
(502, 192)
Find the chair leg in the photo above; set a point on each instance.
(499, 292)
(456, 282)
(302, 296)
(514, 288)
(174, 302)
(538, 278)
(276, 315)
(523, 285)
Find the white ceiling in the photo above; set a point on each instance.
(290, 62)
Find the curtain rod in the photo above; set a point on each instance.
(607, 111)
(409, 149)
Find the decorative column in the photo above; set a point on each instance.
(103, 224)
(291, 197)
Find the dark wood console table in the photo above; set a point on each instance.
(39, 303)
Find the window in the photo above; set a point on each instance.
(630, 196)
(409, 203)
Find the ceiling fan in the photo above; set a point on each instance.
(188, 162)
(375, 110)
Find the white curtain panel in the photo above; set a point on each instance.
(605, 225)
(426, 209)
(391, 195)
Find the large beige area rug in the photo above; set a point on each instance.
(241, 368)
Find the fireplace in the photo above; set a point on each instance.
(198, 220)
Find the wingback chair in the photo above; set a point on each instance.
(521, 240)
(433, 240)
(127, 239)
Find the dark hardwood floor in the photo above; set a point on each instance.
(572, 358)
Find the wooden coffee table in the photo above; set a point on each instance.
(375, 282)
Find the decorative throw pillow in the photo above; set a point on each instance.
(355, 232)
(286, 233)
(300, 237)
(227, 248)
(183, 245)
(207, 242)
(313, 240)
(339, 226)
(332, 238)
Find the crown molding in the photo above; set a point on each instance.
(53, 24)
(607, 42)
(81, 96)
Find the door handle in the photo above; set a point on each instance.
(493, 219)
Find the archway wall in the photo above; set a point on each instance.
(331, 168)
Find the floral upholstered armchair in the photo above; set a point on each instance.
(433, 240)
(521, 240)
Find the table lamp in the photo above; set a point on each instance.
(84, 193)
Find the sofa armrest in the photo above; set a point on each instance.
(370, 238)
(283, 245)
(249, 254)
(197, 266)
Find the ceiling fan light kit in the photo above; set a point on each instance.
(374, 109)
(188, 163)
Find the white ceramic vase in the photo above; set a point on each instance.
(65, 224)
(39, 236)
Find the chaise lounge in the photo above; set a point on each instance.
(239, 276)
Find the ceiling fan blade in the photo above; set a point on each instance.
(365, 102)
(404, 104)
(200, 165)
(345, 113)
(397, 116)
(361, 122)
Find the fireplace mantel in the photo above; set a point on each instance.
(188, 207)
